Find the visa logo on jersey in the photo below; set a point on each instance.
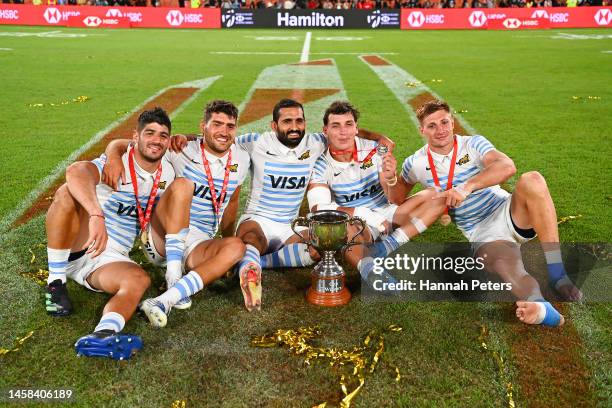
(370, 191)
(127, 210)
(287, 182)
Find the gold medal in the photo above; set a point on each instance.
(445, 219)
(144, 237)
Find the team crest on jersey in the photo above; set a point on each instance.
(304, 155)
(366, 164)
(234, 168)
(464, 160)
(162, 185)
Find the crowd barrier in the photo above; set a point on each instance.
(406, 19)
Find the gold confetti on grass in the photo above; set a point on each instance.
(78, 99)
(586, 98)
(414, 84)
(363, 358)
(567, 218)
(179, 404)
(18, 343)
(501, 365)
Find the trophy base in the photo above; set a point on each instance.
(329, 299)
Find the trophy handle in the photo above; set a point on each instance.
(301, 222)
(352, 221)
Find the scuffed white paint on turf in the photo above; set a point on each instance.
(306, 77)
(295, 53)
(201, 84)
(397, 79)
(46, 34)
(306, 47)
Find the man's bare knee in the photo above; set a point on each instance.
(138, 281)
(532, 182)
(234, 247)
(181, 187)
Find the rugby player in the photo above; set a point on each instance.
(185, 222)
(351, 177)
(495, 221)
(281, 164)
(91, 229)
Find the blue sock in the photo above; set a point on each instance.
(552, 317)
(554, 264)
(292, 255)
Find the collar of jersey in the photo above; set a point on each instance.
(280, 148)
(439, 158)
(140, 172)
(209, 156)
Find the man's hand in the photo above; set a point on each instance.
(113, 172)
(388, 168)
(178, 143)
(385, 141)
(455, 196)
(96, 241)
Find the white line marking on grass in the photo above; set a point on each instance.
(397, 79)
(6, 49)
(306, 47)
(297, 53)
(47, 34)
(607, 52)
(61, 167)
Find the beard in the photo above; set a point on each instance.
(283, 137)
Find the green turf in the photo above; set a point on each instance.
(517, 88)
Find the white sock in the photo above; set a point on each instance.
(111, 321)
(187, 286)
(58, 262)
(175, 248)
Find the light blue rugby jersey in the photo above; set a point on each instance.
(119, 207)
(471, 149)
(189, 164)
(279, 174)
(352, 184)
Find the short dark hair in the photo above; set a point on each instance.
(285, 103)
(155, 115)
(220, 106)
(431, 107)
(340, 108)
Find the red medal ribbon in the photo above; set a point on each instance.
(143, 218)
(211, 183)
(451, 172)
(354, 152)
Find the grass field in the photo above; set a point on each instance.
(516, 88)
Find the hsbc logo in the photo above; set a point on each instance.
(477, 18)
(52, 15)
(539, 14)
(114, 13)
(603, 16)
(416, 19)
(174, 18)
(511, 23)
(92, 21)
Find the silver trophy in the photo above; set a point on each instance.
(328, 233)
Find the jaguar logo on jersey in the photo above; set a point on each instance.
(366, 164)
(234, 168)
(463, 160)
(162, 185)
(304, 155)
(287, 182)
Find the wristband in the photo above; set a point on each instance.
(392, 182)
(97, 215)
